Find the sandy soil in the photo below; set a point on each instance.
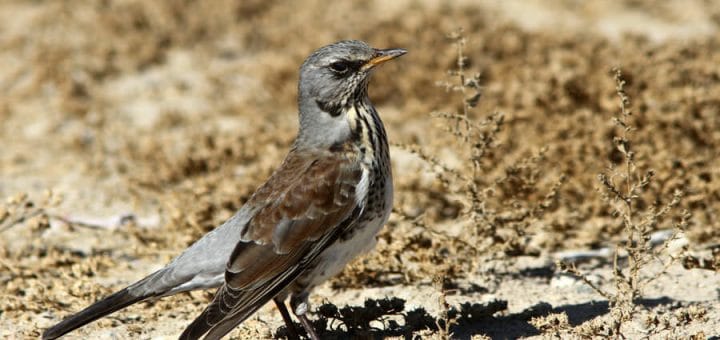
(130, 128)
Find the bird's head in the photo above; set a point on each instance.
(332, 80)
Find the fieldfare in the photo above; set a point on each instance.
(320, 209)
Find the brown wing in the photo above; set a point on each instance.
(301, 208)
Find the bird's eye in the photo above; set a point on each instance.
(340, 67)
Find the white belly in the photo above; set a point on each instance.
(334, 259)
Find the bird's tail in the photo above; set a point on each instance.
(151, 286)
(110, 304)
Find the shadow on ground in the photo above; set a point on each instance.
(378, 319)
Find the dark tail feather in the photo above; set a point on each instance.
(110, 304)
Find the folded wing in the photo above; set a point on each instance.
(307, 203)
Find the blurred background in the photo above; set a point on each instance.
(130, 128)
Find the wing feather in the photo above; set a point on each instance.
(302, 208)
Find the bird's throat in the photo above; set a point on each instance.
(367, 130)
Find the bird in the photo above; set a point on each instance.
(322, 207)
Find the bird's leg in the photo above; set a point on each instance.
(308, 327)
(299, 305)
(292, 332)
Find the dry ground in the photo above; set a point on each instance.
(170, 113)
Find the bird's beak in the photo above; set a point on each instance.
(382, 56)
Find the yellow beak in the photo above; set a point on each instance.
(382, 56)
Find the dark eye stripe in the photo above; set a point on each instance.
(343, 67)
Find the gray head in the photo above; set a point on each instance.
(332, 80)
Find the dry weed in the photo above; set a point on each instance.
(624, 191)
(495, 211)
